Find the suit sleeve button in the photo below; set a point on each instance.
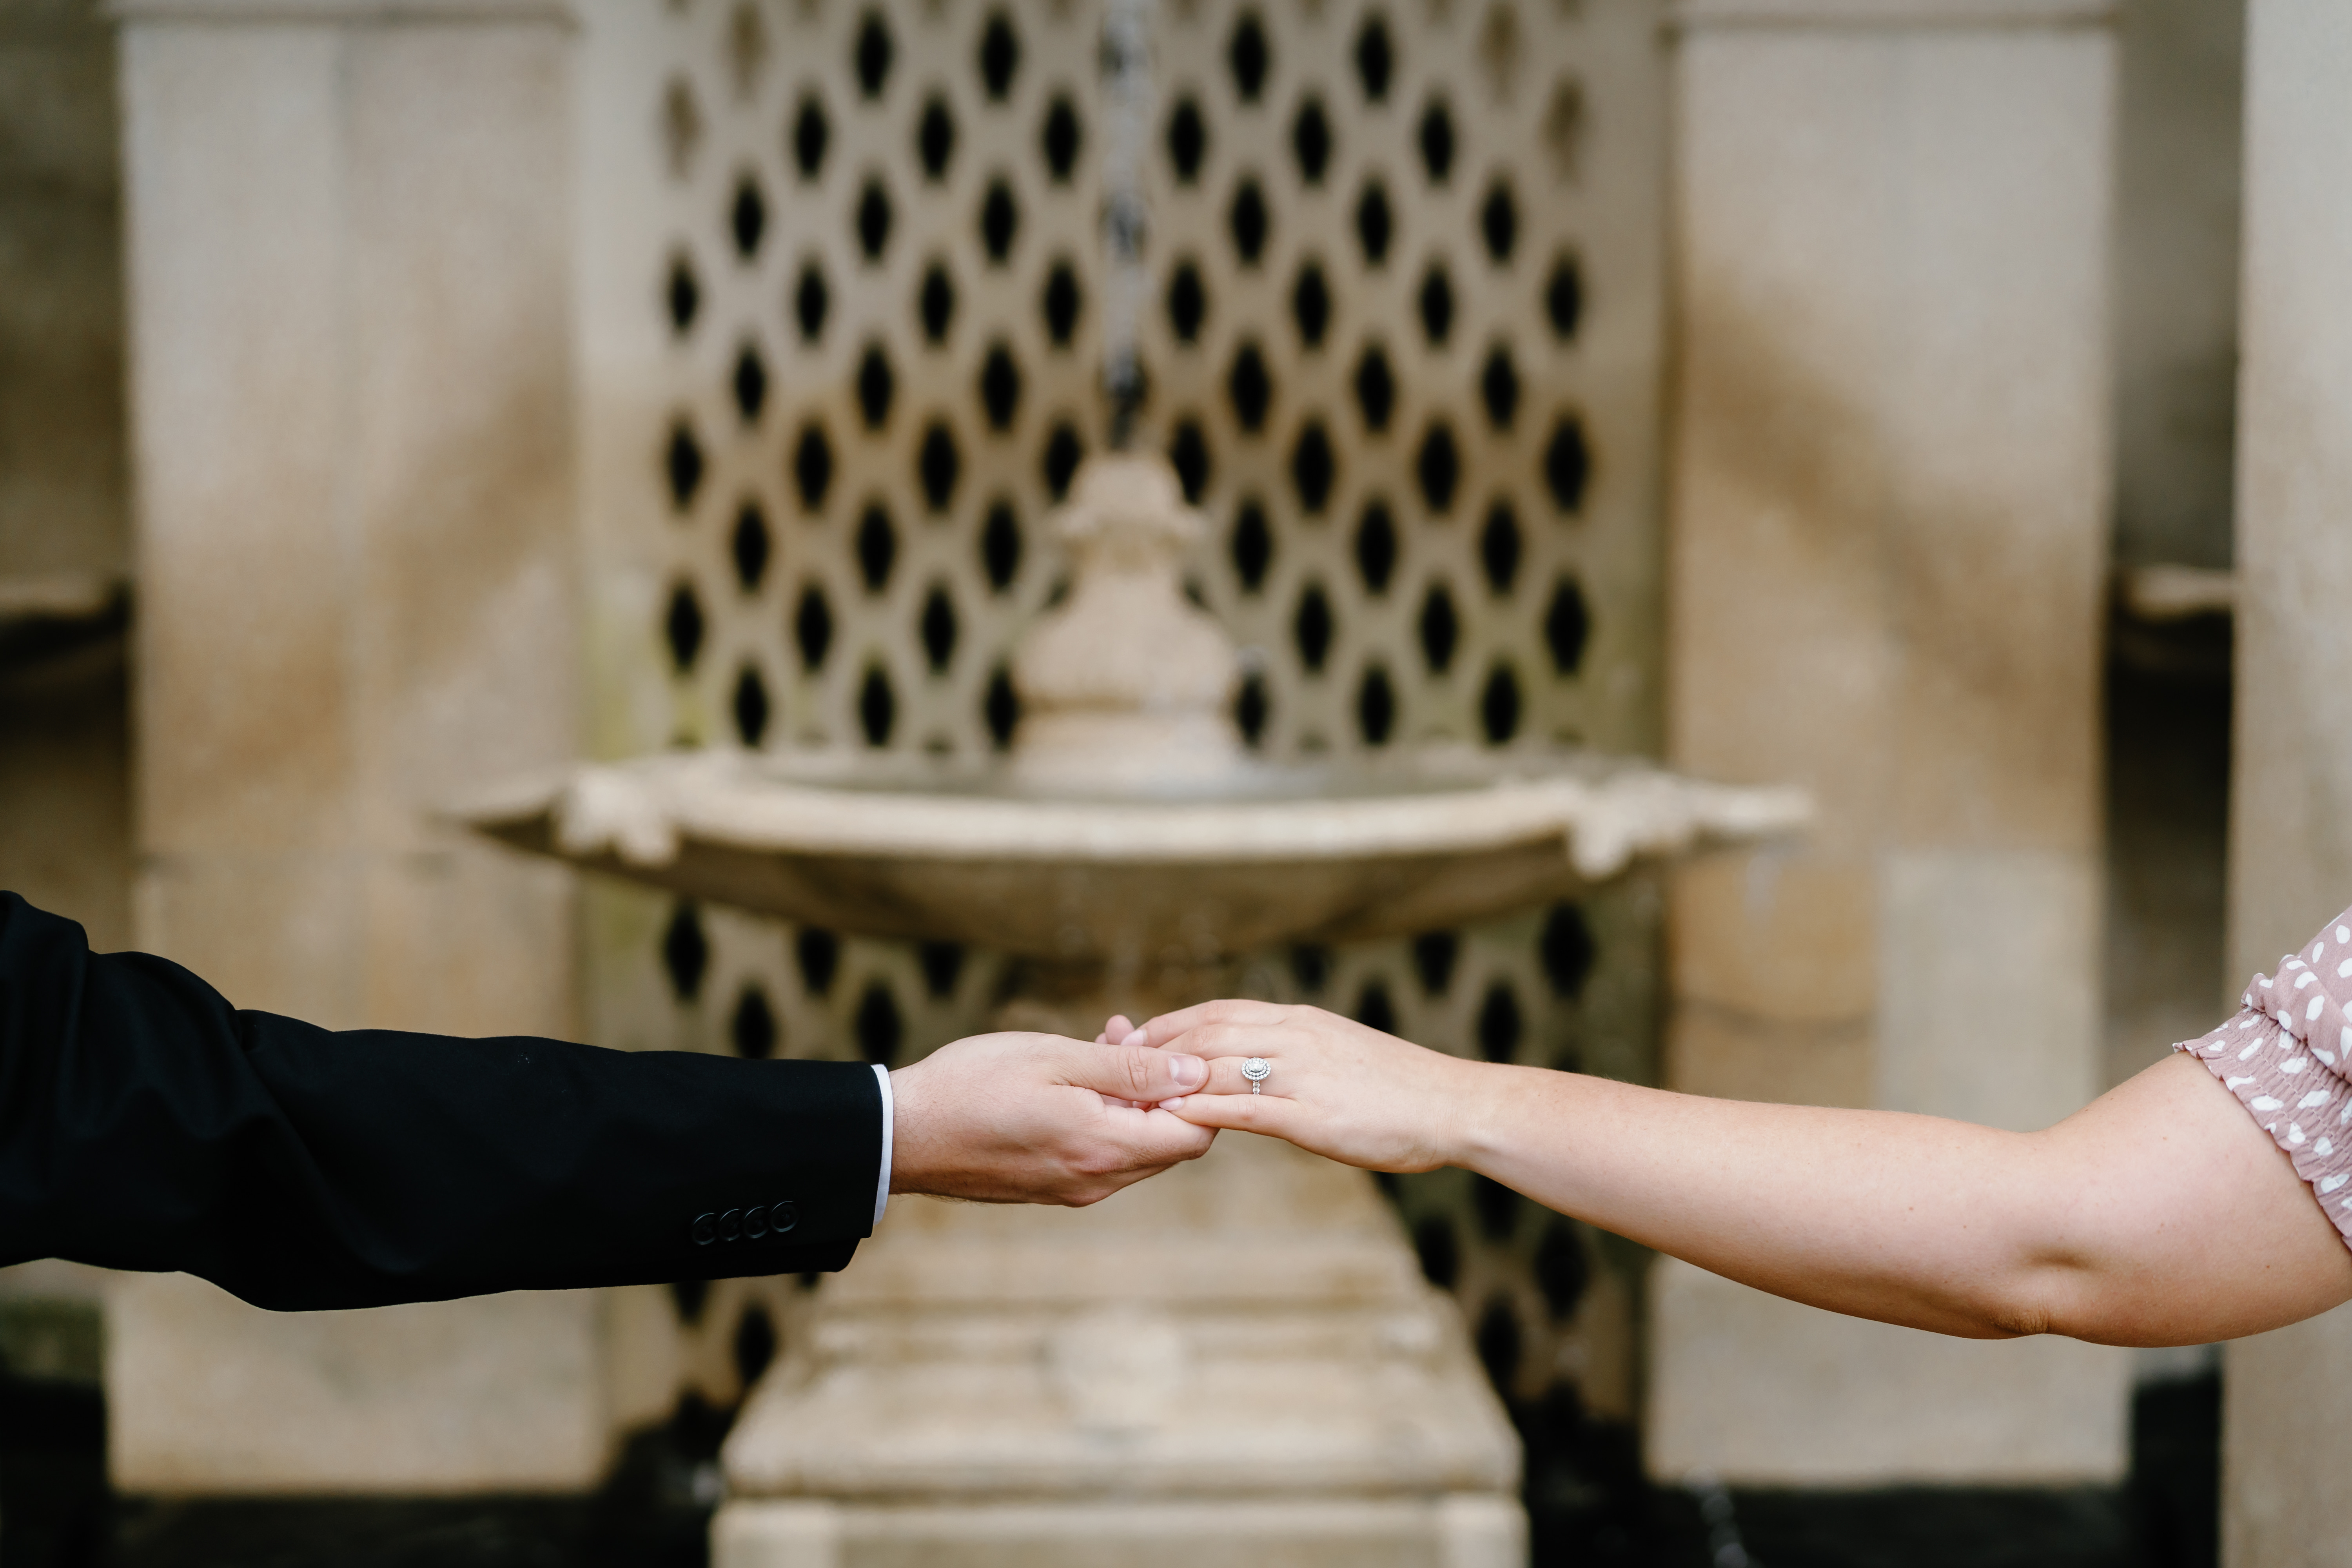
(706, 1229)
(730, 1226)
(755, 1222)
(782, 1217)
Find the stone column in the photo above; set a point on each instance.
(1886, 559)
(2288, 1395)
(349, 253)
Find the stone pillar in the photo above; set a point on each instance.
(1886, 563)
(350, 241)
(2288, 1395)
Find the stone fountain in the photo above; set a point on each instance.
(1235, 1362)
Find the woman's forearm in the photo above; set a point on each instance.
(2159, 1215)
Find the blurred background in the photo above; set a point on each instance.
(397, 399)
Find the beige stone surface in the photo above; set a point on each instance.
(1763, 1391)
(1461, 1530)
(208, 1395)
(349, 251)
(2284, 1504)
(1887, 564)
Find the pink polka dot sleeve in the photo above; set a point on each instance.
(2287, 1056)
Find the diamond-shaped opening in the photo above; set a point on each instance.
(1061, 302)
(683, 295)
(1314, 468)
(1496, 1207)
(1188, 303)
(1000, 387)
(749, 545)
(1564, 297)
(1439, 629)
(1187, 453)
(813, 627)
(816, 953)
(999, 546)
(1498, 222)
(1568, 951)
(1000, 709)
(1438, 467)
(754, 1344)
(1376, 389)
(1500, 546)
(873, 220)
(1375, 223)
(938, 465)
(1375, 58)
(1376, 547)
(682, 465)
(1374, 1009)
(1310, 966)
(1000, 56)
(1250, 222)
(1253, 545)
(877, 385)
(1568, 465)
(750, 705)
(877, 706)
(1064, 451)
(1498, 387)
(1561, 1266)
(813, 466)
(811, 299)
(1311, 140)
(747, 217)
(1499, 704)
(872, 55)
(1434, 1246)
(1567, 624)
(752, 1027)
(1250, 56)
(685, 951)
(937, 628)
(1310, 305)
(812, 137)
(1060, 138)
(1500, 1023)
(750, 384)
(1435, 953)
(1251, 386)
(935, 303)
(943, 965)
(877, 546)
(935, 138)
(1436, 139)
(1188, 140)
(1498, 1341)
(1312, 628)
(1000, 221)
(1251, 708)
(683, 627)
(1376, 707)
(1436, 305)
(880, 1026)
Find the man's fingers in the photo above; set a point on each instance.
(1134, 1073)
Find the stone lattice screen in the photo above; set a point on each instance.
(843, 322)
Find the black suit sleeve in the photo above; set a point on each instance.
(146, 1124)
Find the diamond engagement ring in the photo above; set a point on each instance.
(1254, 1069)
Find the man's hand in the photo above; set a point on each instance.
(1037, 1119)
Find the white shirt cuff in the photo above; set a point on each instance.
(882, 1182)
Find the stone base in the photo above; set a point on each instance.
(1463, 1530)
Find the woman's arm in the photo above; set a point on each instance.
(2159, 1215)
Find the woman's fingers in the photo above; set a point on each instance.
(1275, 1117)
(1228, 1011)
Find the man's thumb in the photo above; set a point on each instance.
(1138, 1072)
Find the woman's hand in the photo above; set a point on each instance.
(1335, 1088)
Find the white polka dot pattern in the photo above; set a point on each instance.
(2287, 1056)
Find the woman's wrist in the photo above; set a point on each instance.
(1478, 1102)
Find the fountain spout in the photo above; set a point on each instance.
(1125, 687)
